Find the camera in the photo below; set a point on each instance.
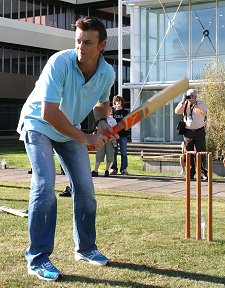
(187, 97)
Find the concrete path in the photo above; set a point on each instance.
(157, 185)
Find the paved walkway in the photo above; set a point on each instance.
(156, 185)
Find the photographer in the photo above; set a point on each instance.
(194, 118)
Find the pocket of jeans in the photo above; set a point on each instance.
(34, 137)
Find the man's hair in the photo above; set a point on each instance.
(192, 91)
(92, 23)
(118, 98)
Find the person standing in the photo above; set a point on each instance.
(105, 151)
(194, 136)
(119, 113)
(72, 83)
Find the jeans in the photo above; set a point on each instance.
(42, 212)
(122, 141)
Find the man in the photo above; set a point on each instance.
(119, 113)
(71, 84)
(194, 136)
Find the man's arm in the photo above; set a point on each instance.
(180, 106)
(101, 113)
(201, 107)
(101, 110)
(54, 116)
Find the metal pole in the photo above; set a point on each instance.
(120, 47)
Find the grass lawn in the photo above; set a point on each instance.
(142, 234)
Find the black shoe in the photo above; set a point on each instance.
(66, 192)
(124, 172)
(29, 171)
(94, 173)
(106, 173)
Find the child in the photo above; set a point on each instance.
(107, 150)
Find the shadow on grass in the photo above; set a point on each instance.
(169, 272)
(14, 186)
(14, 200)
(87, 280)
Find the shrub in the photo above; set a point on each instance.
(213, 93)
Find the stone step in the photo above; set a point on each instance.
(153, 149)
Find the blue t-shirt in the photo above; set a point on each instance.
(62, 81)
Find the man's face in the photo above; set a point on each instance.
(87, 45)
(193, 98)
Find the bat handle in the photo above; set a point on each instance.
(115, 130)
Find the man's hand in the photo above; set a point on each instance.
(95, 140)
(105, 129)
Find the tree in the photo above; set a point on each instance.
(213, 93)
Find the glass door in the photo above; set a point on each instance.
(153, 127)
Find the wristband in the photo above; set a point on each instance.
(101, 119)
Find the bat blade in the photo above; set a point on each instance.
(154, 103)
(150, 106)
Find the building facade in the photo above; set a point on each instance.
(170, 40)
(163, 41)
(31, 31)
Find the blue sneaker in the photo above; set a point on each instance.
(45, 271)
(94, 257)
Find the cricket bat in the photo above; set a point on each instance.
(17, 212)
(150, 106)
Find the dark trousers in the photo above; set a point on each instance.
(122, 143)
(195, 140)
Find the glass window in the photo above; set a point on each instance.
(30, 62)
(177, 39)
(37, 12)
(199, 65)
(22, 61)
(1, 57)
(7, 8)
(176, 70)
(43, 61)
(15, 64)
(156, 30)
(61, 18)
(221, 26)
(22, 12)
(7, 64)
(203, 19)
(30, 15)
(15, 10)
(9, 115)
(1, 8)
(37, 63)
(152, 126)
(50, 16)
(43, 13)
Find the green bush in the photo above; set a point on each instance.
(213, 93)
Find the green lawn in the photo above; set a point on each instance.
(142, 234)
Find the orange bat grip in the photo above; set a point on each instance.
(115, 130)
